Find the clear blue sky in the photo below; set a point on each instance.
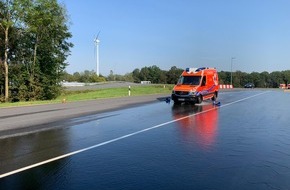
(182, 33)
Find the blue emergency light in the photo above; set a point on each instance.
(199, 69)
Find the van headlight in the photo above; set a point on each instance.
(192, 92)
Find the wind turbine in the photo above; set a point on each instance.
(97, 42)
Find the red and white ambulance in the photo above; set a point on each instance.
(196, 85)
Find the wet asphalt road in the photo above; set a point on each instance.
(243, 144)
(28, 119)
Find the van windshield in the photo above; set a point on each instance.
(189, 80)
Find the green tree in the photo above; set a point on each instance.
(163, 77)
(111, 76)
(42, 46)
(67, 77)
(154, 74)
(276, 79)
(286, 76)
(254, 77)
(265, 78)
(224, 77)
(136, 75)
(129, 77)
(173, 74)
(239, 78)
(76, 77)
(144, 74)
(47, 23)
(6, 23)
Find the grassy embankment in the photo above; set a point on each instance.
(72, 96)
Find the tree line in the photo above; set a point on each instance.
(158, 76)
(260, 80)
(152, 73)
(34, 46)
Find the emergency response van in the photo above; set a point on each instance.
(196, 85)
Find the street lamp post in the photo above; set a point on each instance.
(232, 58)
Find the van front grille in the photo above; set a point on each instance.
(181, 93)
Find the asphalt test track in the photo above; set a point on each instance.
(242, 144)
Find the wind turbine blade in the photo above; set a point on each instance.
(98, 35)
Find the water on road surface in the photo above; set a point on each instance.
(243, 144)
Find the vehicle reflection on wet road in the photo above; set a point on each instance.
(243, 144)
(200, 129)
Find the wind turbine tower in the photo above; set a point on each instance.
(97, 42)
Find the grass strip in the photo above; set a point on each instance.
(72, 96)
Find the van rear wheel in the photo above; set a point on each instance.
(214, 97)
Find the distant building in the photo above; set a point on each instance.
(145, 82)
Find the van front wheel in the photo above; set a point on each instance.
(176, 102)
(199, 99)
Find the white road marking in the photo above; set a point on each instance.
(244, 99)
(117, 139)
